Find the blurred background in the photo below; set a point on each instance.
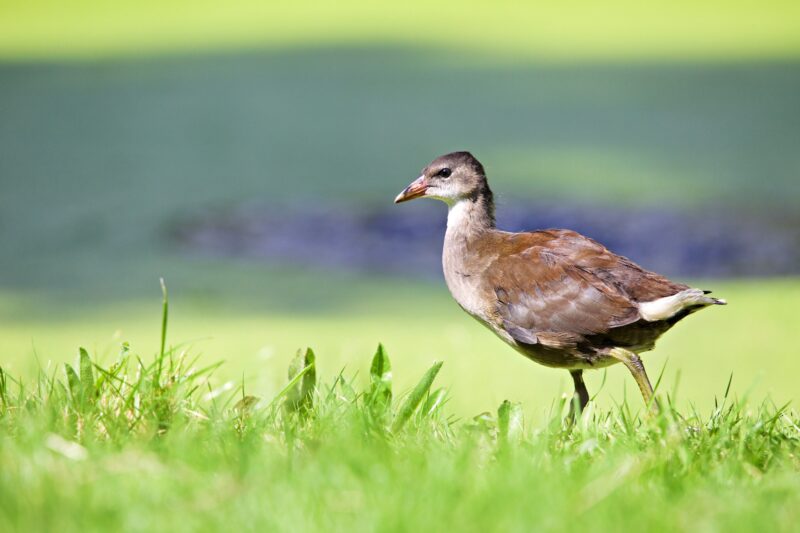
(249, 153)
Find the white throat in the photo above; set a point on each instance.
(457, 214)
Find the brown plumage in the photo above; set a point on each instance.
(556, 296)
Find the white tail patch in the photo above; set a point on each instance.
(668, 306)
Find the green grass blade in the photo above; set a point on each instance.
(4, 400)
(435, 401)
(415, 398)
(292, 383)
(381, 380)
(74, 383)
(509, 422)
(164, 320)
(302, 381)
(310, 377)
(87, 376)
(381, 369)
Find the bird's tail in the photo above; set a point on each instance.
(664, 308)
(714, 301)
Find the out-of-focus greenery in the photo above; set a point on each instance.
(508, 29)
(99, 161)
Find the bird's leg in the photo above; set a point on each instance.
(634, 364)
(581, 396)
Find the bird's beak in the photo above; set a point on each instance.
(415, 190)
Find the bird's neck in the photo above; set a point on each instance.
(470, 217)
(469, 222)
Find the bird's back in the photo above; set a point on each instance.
(565, 295)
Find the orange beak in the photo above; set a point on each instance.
(415, 190)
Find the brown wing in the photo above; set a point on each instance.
(557, 287)
(625, 276)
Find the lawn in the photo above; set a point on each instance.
(152, 444)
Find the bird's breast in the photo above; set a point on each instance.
(467, 293)
(464, 281)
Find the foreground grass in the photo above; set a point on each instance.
(143, 445)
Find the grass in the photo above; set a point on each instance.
(551, 30)
(161, 444)
(753, 338)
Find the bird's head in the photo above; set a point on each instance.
(449, 178)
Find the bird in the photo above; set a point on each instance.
(557, 297)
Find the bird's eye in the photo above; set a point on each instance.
(445, 173)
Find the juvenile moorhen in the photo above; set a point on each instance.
(555, 296)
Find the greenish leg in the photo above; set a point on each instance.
(634, 364)
(581, 396)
